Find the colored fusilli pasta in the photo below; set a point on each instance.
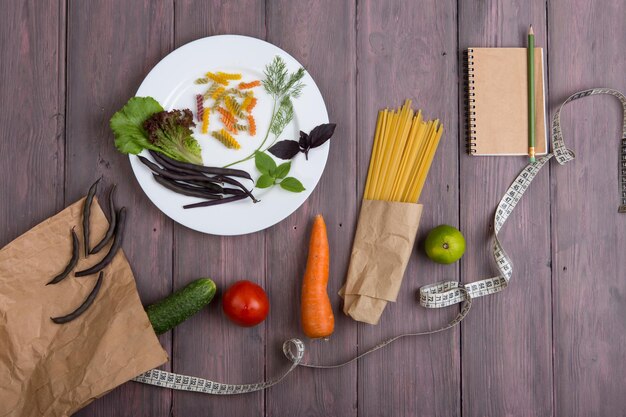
(226, 139)
(217, 78)
(251, 125)
(240, 127)
(226, 114)
(209, 92)
(246, 102)
(218, 93)
(228, 125)
(228, 76)
(252, 84)
(199, 107)
(205, 120)
(237, 92)
(251, 105)
(233, 107)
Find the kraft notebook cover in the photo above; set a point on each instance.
(497, 101)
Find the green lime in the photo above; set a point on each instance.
(445, 244)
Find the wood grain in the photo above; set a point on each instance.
(407, 50)
(506, 339)
(208, 344)
(321, 36)
(111, 47)
(32, 99)
(588, 233)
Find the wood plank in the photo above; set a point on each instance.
(111, 47)
(321, 35)
(208, 344)
(506, 339)
(32, 98)
(407, 50)
(587, 232)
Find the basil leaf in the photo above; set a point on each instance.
(304, 141)
(264, 181)
(282, 170)
(320, 134)
(264, 163)
(292, 184)
(285, 149)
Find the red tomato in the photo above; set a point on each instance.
(245, 303)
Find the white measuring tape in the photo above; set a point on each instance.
(431, 296)
(447, 293)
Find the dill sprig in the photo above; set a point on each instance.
(282, 87)
(284, 115)
(294, 86)
(275, 77)
(278, 83)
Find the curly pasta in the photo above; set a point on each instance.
(217, 78)
(251, 105)
(229, 125)
(239, 93)
(246, 102)
(226, 114)
(240, 128)
(251, 125)
(252, 84)
(228, 76)
(226, 139)
(210, 91)
(233, 104)
(205, 120)
(218, 93)
(233, 107)
(199, 107)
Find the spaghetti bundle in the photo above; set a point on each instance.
(404, 148)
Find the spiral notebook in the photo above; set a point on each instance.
(497, 101)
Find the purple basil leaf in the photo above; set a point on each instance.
(304, 141)
(285, 149)
(320, 134)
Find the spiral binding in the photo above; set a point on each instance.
(470, 100)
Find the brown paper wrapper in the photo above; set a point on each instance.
(54, 370)
(382, 246)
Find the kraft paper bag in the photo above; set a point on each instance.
(382, 246)
(50, 369)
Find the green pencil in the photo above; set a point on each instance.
(531, 94)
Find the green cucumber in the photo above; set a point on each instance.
(178, 307)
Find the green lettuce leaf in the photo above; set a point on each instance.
(130, 136)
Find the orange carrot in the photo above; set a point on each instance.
(317, 314)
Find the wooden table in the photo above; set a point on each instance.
(551, 344)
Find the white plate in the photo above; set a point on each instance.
(171, 83)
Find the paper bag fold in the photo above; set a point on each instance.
(382, 246)
(54, 370)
